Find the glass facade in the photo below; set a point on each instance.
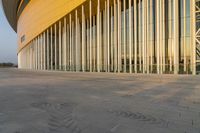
(124, 36)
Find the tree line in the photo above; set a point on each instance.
(7, 64)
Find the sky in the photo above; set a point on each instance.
(8, 40)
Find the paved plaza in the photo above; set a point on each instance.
(62, 102)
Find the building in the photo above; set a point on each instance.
(121, 36)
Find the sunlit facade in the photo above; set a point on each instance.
(120, 36)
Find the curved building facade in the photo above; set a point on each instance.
(122, 36)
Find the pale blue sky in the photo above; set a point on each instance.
(8, 40)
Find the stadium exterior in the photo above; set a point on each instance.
(122, 36)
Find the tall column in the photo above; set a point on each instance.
(79, 45)
(60, 46)
(100, 41)
(119, 35)
(76, 42)
(70, 42)
(83, 39)
(105, 45)
(140, 36)
(125, 53)
(65, 44)
(115, 38)
(51, 30)
(108, 34)
(112, 40)
(130, 38)
(148, 32)
(72, 47)
(38, 56)
(193, 36)
(90, 28)
(55, 45)
(94, 45)
(164, 41)
(184, 34)
(45, 51)
(35, 45)
(176, 37)
(48, 54)
(135, 35)
(98, 36)
(41, 51)
(161, 36)
(170, 40)
(151, 36)
(158, 36)
(143, 36)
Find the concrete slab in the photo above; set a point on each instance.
(63, 102)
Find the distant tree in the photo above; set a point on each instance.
(7, 64)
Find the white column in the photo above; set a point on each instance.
(55, 44)
(108, 34)
(72, 47)
(176, 37)
(115, 38)
(119, 36)
(98, 36)
(60, 46)
(170, 40)
(151, 36)
(67, 49)
(135, 34)
(164, 41)
(38, 56)
(76, 42)
(193, 36)
(83, 39)
(130, 38)
(41, 52)
(87, 45)
(94, 45)
(158, 36)
(184, 34)
(51, 30)
(90, 28)
(161, 37)
(70, 43)
(105, 38)
(65, 44)
(143, 36)
(45, 51)
(100, 41)
(140, 37)
(148, 32)
(79, 45)
(125, 53)
(35, 44)
(112, 40)
(48, 55)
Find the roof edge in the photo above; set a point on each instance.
(10, 10)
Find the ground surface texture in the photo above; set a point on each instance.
(62, 102)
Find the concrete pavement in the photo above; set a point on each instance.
(62, 102)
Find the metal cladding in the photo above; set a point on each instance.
(121, 36)
(10, 10)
